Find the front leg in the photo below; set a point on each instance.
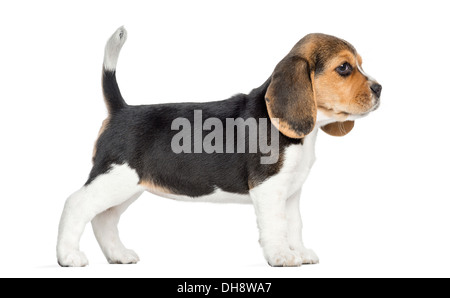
(270, 208)
(294, 228)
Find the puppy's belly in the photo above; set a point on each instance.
(218, 196)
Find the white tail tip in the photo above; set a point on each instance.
(112, 48)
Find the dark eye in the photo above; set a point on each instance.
(345, 69)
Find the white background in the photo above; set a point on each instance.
(376, 202)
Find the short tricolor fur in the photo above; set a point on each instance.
(133, 151)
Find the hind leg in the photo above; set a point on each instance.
(107, 234)
(105, 191)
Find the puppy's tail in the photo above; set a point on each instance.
(113, 99)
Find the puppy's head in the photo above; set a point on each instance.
(321, 73)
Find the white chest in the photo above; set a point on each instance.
(297, 161)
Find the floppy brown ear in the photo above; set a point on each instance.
(290, 98)
(338, 129)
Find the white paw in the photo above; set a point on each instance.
(283, 257)
(73, 259)
(125, 256)
(308, 255)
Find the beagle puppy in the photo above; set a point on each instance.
(319, 84)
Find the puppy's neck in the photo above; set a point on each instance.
(322, 119)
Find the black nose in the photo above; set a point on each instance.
(376, 89)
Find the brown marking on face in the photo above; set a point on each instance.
(153, 187)
(339, 96)
(100, 132)
(359, 59)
